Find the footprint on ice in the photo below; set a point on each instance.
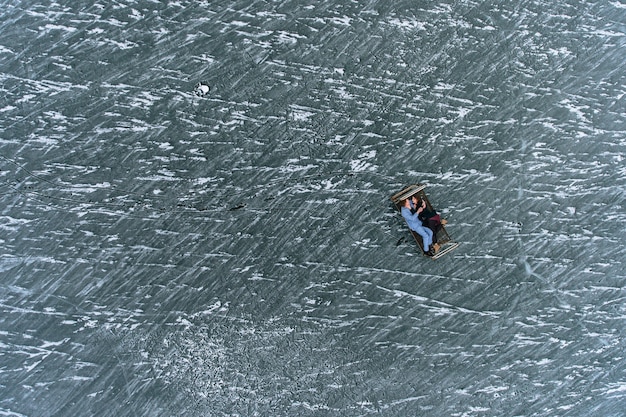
(202, 89)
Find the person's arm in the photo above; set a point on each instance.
(406, 213)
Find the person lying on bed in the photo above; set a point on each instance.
(415, 224)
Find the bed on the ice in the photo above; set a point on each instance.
(446, 243)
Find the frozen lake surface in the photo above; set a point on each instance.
(236, 254)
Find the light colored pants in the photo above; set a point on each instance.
(427, 236)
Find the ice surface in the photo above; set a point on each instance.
(237, 253)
